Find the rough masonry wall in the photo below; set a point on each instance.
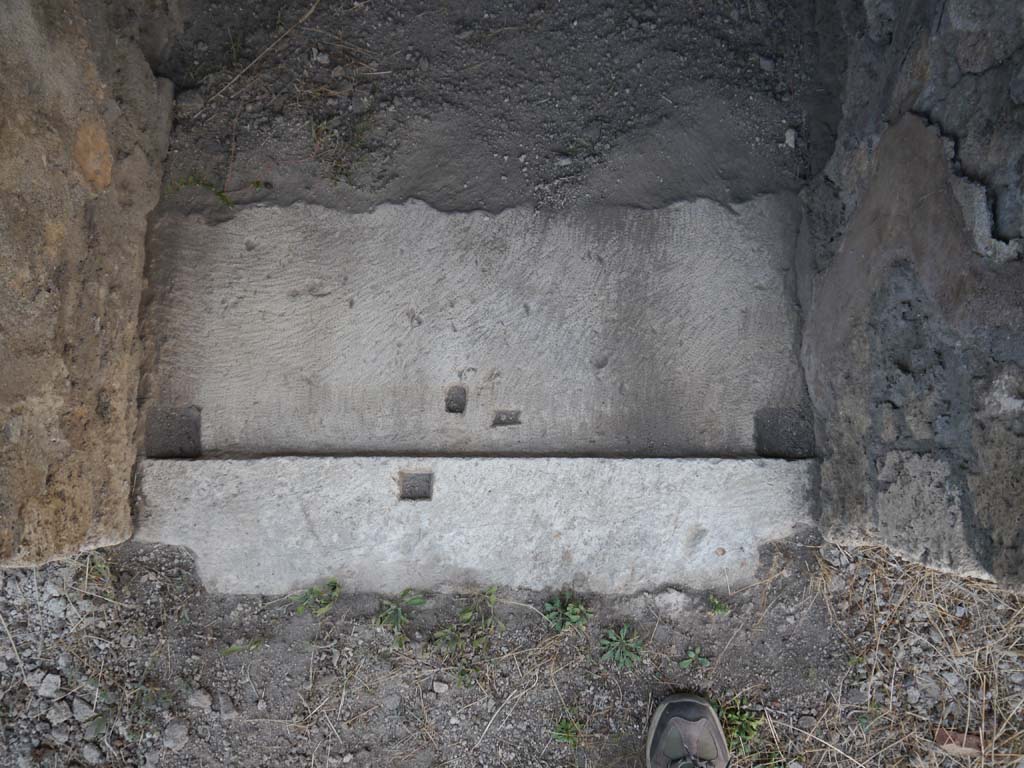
(83, 127)
(913, 288)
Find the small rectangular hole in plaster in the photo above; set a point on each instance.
(415, 486)
(506, 418)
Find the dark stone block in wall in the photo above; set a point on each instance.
(174, 433)
(784, 433)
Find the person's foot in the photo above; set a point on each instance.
(685, 733)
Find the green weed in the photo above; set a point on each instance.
(394, 614)
(566, 610)
(317, 600)
(773, 759)
(234, 47)
(568, 731)
(243, 647)
(580, 148)
(718, 607)
(198, 180)
(448, 640)
(98, 577)
(473, 629)
(741, 725)
(694, 658)
(622, 648)
(324, 138)
(345, 149)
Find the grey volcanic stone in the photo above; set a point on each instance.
(914, 363)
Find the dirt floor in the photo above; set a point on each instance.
(486, 105)
(834, 658)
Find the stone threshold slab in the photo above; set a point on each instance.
(383, 524)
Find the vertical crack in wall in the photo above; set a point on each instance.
(979, 203)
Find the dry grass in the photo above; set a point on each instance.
(302, 20)
(502, 682)
(917, 629)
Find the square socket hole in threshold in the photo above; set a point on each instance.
(415, 486)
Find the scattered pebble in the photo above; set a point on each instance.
(59, 713)
(176, 736)
(82, 709)
(94, 729)
(49, 687)
(92, 755)
(440, 687)
(226, 707)
(856, 697)
(201, 700)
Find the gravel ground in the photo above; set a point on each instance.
(834, 657)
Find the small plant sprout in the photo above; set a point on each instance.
(480, 619)
(694, 658)
(741, 724)
(198, 180)
(473, 629)
(622, 648)
(568, 731)
(718, 607)
(394, 614)
(317, 600)
(243, 646)
(566, 610)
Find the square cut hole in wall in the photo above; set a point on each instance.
(455, 399)
(506, 419)
(415, 486)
